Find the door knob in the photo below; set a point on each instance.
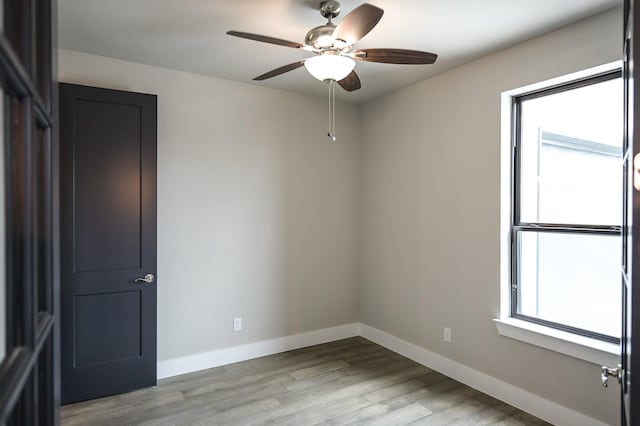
(610, 372)
(149, 278)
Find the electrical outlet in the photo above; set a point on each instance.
(237, 324)
(446, 334)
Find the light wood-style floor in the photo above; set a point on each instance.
(351, 381)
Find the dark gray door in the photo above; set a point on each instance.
(108, 241)
(631, 223)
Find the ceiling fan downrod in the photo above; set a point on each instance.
(321, 37)
(330, 9)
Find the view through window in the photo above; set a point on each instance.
(567, 207)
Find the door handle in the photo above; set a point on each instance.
(149, 278)
(610, 372)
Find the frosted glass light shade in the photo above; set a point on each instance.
(329, 67)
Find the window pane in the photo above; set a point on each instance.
(571, 279)
(571, 145)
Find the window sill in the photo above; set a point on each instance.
(584, 348)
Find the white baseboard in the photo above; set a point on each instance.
(202, 361)
(526, 401)
(540, 407)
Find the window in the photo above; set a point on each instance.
(566, 206)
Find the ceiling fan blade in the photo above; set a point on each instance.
(280, 70)
(266, 39)
(357, 23)
(350, 82)
(395, 56)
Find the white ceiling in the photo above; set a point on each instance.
(189, 35)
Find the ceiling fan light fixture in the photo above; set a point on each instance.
(330, 66)
(339, 44)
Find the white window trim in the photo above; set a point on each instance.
(581, 347)
(574, 345)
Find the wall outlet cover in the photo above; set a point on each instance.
(446, 334)
(237, 324)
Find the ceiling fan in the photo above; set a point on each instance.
(333, 45)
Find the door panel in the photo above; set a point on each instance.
(630, 404)
(107, 327)
(107, 186)
(108, 237)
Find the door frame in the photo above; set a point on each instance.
(29, 375)
(630, 349)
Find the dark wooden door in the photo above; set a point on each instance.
(630, 404)
(108, 241)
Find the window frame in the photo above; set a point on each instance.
(517, 226)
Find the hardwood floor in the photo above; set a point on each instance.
(351, 381)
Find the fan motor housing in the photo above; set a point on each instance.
(320, 37)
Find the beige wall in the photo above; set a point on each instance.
(430, 213)
(256, 209)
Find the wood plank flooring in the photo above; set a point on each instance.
(351, 381)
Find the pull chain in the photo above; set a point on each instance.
(332, 110)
